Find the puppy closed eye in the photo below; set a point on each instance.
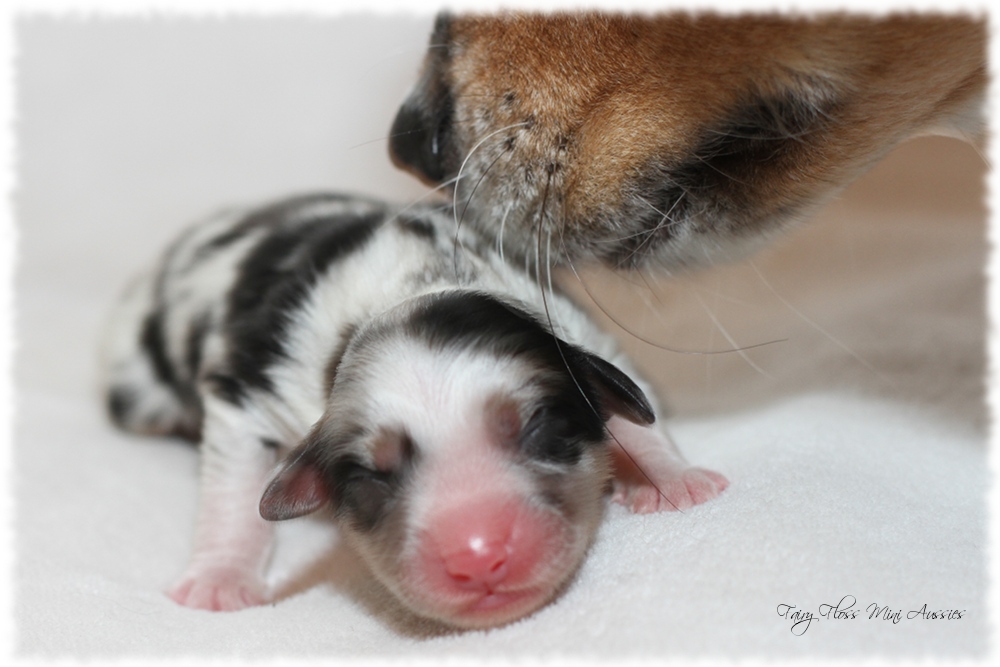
(365, 495)
(550, 437)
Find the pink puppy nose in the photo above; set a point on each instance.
(476, 543)
(480, 563)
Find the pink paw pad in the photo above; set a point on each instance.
(684, 490)
(218, 590)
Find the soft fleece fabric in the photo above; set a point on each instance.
(855, 441)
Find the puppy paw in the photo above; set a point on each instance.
(219, 589)
(680, 491)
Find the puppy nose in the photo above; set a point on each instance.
(416, 142)
(479, 564)
(477, 544)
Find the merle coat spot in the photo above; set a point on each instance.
(273, 281)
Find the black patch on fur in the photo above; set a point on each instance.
(359, 495)
(224, 239)
(153, 344)
(268, 216)
(225, 387)
(194, 344)
(551, 436)
(473, 319)
(152, 341)
(362, 495)
(274, 278)
(367, 497)
(121, 402)
(270, 443)
(418, 226)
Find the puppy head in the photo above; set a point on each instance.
(463, 452)
(670, 139)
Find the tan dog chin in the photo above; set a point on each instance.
(674, 139)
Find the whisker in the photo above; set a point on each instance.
(654, 343)
(836, 341)
(472, 194)
(503, 223)
(647, 297)
(559, 345)
(538, 254)
(538, 250)
(646, 232)
(489, 96)
(725, 334)
(389, 137)
(548, 259)
(781, 135)
(618, 442)
(431, 191)
(665, 218)
(481, 142)
(458, 218)
(461, 218)
(705, 160)
(556, 331)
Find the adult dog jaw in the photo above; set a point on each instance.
(674, 139)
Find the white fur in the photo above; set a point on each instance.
(439, 397)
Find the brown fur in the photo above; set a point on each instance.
(674, 139)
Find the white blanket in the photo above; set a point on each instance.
(855, 441)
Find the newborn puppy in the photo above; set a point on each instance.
(675, 139)
(463, 424)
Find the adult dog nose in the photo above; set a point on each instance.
(416, 142)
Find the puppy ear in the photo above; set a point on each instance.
(296, 490)
(618, 393)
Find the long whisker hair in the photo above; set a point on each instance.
(665, 222)
(815, 325)
(635, 334)
(725, 334)
(503, 223)
(428, 193)
(387, 137)
(559, 346)
(473, 150)
(457, 244)
(460, 217)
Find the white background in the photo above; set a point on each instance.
(855, 447)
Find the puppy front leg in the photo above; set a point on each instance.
(232, 542)
(651, 474)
